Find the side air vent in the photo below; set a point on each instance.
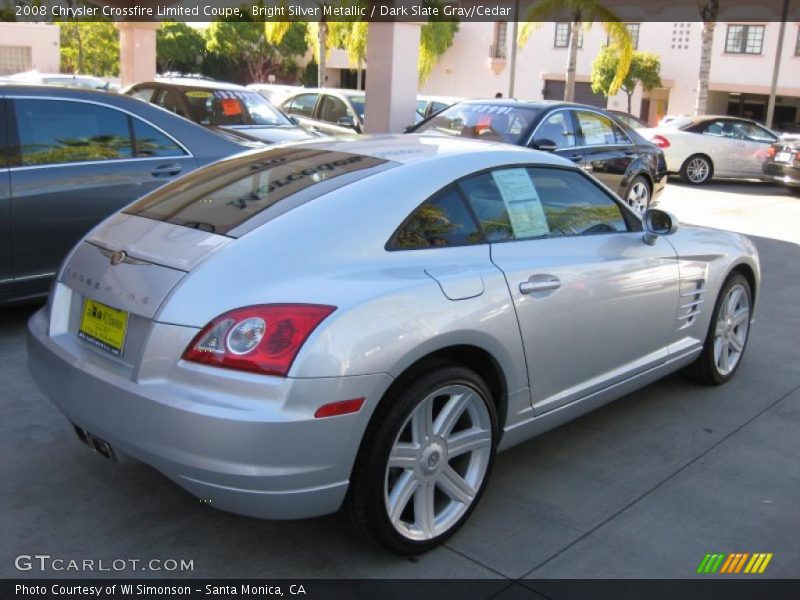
(691, 299)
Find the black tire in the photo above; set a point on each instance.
(704, 370)
(641, 180)
(794, 190)
(365, 505)
(686, 169)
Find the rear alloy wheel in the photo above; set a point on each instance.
(638, 195)
(423, 467)
(697, 169)
(727, 335)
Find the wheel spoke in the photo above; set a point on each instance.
(422, 421)
(467, 441)
(402, 492)
(740, 316)
(403, 456)
(451, 412)
(423, 509)
(723, 358)
(733, 300)
(455, 486)
(736, 343)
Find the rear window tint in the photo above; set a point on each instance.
(231, 193)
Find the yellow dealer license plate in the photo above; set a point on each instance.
(103, 326)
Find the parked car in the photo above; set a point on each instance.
(73, 157)
(783, 165)
(223, 107)
(611, 151)
(430, 105)
(365, 323)
(274, 92)
(703, 147)
(63, 79)
(629, 120)
(327, 110)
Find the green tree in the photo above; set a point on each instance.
(179, 47)
(317, 36)
(435, 38)
(645, 69)
(246, 43)
(581, 13)
(90, 47)
(351, 36)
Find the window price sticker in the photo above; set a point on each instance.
(522, 202)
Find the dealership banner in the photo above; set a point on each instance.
(381, 10)
(402, 589)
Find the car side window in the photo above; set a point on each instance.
(596, 129)
(332, 109)
(169, 99)
(557, 128)
(719, 128)
(519, 203)
(303, 105)
(441, 221)
(753, 133)
(150, 142)
(145, 93)
(60, 131)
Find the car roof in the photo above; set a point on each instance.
(538, 104)
(341, 91)
(408, 148)
(190, 82)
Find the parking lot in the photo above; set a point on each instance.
(644, 487)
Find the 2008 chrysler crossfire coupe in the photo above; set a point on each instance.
(364, 324)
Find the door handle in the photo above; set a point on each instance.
(539, 283)
(166, 170)
(576, 157)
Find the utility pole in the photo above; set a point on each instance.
(513, 59)
(777, 67)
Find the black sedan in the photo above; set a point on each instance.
(227, 108)
(783, 165)
(592, 138)
(68, 159)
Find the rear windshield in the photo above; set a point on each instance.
(225, 195)
(484, 121)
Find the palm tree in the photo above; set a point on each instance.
(582, 14)
(352, 37)
(708, 12)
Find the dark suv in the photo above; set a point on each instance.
(227, 108)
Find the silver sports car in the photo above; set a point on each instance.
(364, 324)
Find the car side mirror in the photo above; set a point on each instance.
(294, 120)
(545, 145)
(658, 222)
(346, 121)
(409, 128)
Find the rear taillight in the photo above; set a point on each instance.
(261, 339)
(660, 141)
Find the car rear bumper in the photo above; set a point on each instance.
(783, 174)
(265, 458)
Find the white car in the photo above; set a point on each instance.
(707, 146)
(274, 92)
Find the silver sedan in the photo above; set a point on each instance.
(365, 324)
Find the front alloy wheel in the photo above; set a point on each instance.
(733, 325)
(727, 334)
(425, 460)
